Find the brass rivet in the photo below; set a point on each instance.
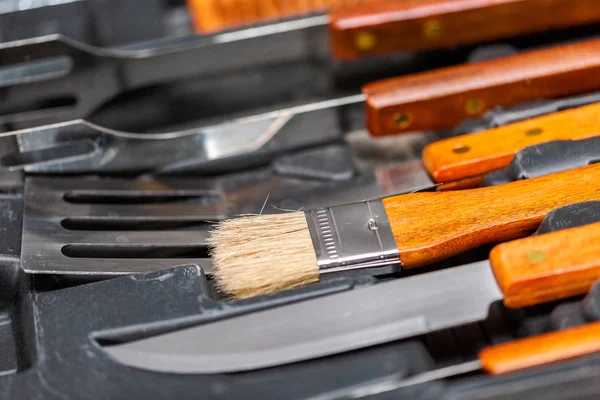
(402, 120)
(534, 132)
(365, 41)
(536, 256)
(460, 149)
(432, 29)
(474, 106)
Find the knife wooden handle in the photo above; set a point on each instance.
(479, 153)
(442, 98)
(432, 226)
(548, 267)
(542, 349)
(388, 26)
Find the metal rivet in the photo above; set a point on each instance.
(534, 132)
(402, 120)
(432, 29)
(365, 41)
(474, 106)
(536, 256)
(460, 149)
(372, 225)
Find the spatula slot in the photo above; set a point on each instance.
(125, 224)
(134, 251)
(140, 197)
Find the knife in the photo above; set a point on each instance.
(504, 358)
(441, 99)
(480, 153)
(522, 273)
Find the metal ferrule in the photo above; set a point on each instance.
(354, 237)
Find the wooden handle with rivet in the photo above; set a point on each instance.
(542, 349)
(389, 25)
(479, 153)
(548, 267)
(432, 226)
(442, 98)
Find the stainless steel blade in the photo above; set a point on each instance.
(321, 327)
(396, 381)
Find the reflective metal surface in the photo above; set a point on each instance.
(353, 236)
(80, 146)
(106, 226)
(79, 78)
(315, 328)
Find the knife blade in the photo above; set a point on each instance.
(523, 272)
(513, 356)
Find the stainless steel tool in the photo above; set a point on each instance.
(80, 146)
(320, 327)
(54, 78)
(105, 226)
(76, 78)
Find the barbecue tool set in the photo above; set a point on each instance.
(435, 191)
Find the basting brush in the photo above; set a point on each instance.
(262, 254)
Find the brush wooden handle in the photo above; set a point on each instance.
(542, 349)
(387, 26)
(443, 98)
(548, 267)
(429, 227)
(476, 154)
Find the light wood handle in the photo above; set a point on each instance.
(429, 227)
(548, 267)
(442, 98)
(215, 15)
(542, 349)
(391, 25)
(476, 154)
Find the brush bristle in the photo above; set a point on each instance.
(262, 254)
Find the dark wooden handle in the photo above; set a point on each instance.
(548, 267)
(476, 154)
(429, 227)
(443, 98)
(543, 349)
(390, 25)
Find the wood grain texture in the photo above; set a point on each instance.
(542, 349)
(468, 183)
(479, 153)
(442, 98)
(215, 15)
(429, 227)
(548, 267)
(391, 25)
